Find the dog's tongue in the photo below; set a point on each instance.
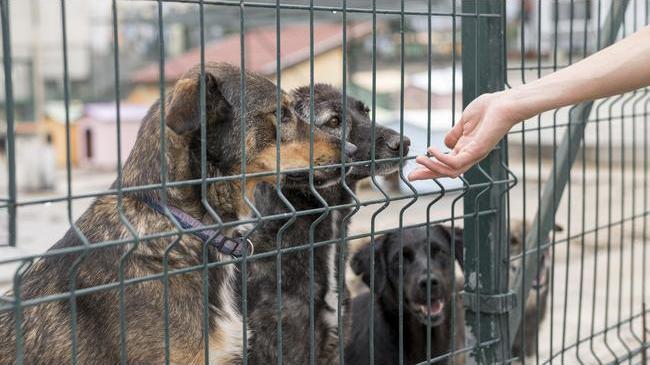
(435, 309)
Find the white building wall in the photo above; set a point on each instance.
(636, 9)
(37, 23)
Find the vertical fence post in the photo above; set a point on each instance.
(9, 107)
(487, 299)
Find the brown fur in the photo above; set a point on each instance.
(46, 326)
(533, 315)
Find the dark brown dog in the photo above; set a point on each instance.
(329, 114)
(178, 301)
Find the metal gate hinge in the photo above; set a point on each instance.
(490, 303)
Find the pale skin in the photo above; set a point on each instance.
(621, 67)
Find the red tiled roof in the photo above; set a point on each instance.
(260, 48)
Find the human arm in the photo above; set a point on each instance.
(621, 67)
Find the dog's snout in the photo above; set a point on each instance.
(432, 279)
(394, 142)
(350, 149)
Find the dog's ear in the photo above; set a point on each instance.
(300, 96)
(457, 235)
(183, 114)
(360, 264)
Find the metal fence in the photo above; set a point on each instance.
(604, 239)
(596, 151)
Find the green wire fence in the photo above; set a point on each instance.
(592, 275)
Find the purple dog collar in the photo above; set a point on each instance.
(226, 245)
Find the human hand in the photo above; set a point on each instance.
(483, 123)
(618, 68)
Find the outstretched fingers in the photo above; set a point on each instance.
(457, 162)
(422, 173)
(436, 167)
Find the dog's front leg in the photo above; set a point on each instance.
(295, 343)
(226, 339)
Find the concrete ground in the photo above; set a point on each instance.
(598, 279)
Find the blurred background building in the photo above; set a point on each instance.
(431, 100)
(38, 59)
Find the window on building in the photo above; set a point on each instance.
(581, 10)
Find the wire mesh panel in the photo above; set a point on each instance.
(578, 268)
(232, 186)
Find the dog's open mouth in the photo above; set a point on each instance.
(434, 312)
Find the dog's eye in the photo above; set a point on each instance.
(286, 115)
(334, 122)
(435, 251)
(408, 254)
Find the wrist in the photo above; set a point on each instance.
(514, 105)
(541, 95)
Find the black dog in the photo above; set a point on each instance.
(295, 272)
(418, 310)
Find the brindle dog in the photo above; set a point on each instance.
(46, 327)
(537, 301)
(295, 271)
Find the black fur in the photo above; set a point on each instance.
(439, 276)
(328, 110)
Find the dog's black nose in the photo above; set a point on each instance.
(350, 149)
(435, 282)
(393, 143)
